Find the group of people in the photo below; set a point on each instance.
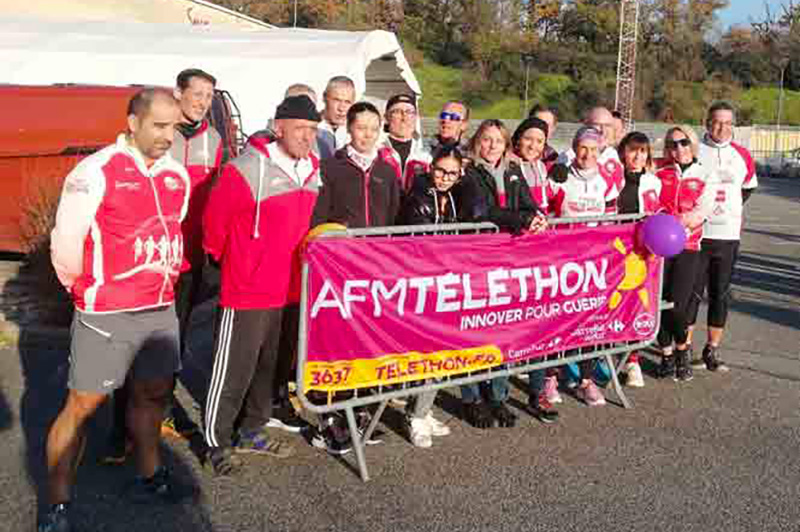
(141, 223)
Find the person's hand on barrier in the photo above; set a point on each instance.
(538, 224)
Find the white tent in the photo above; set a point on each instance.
(197, 12)
(254, 66)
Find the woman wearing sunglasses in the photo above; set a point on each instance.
(686, 194)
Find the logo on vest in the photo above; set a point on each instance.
(159, 255)
(171, 183)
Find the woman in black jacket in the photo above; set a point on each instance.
(437, 201)
(494, 187)
(494, 190)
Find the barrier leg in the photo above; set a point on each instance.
(358, 445)
(622, 361)
(374, 422)
(617, 386)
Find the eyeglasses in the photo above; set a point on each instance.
(449, 174)
(403, 112)
(444, 115)
(684, 143)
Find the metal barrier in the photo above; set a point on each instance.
(381, 395)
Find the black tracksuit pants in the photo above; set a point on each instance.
(253, 358)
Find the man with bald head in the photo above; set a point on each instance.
(608, 160)
(117, 246)
(258, 214)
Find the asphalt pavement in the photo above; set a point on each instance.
(720, 453)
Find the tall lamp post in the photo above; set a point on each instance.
(295, 14)
(527, 59)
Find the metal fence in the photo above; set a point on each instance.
(381, 395)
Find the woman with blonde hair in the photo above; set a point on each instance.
(687, 195)
(495, 190)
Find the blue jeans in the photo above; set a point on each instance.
(535, 385)
(497, 389)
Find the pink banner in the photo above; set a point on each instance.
(389, 310)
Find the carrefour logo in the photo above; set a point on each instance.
(644, 324)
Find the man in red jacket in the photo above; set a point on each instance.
(117, 247)
(257, 216)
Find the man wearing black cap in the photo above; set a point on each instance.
(257, 216)
(402, 148)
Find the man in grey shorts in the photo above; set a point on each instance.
(117, 247)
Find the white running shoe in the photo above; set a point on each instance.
(437, 428)
(634, 373)
(419, 432)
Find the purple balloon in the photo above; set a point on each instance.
(663, 235)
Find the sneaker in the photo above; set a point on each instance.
(683, 367)
(333, 435)
(542, 413)
(223, 461)
(289, 421)
(334, 441)
(550, 391)
(712, 360)
(478, 415)
(160, 488)
(504, 416)
(589, 393)
(363, 419)
(437, 427)
(116, 452)
(260, 442)
(633, 372)
(55, 520)
(667, 367)
(419, 432)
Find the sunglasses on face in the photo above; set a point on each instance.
(684, 143)
(449, 174)
(455, 117)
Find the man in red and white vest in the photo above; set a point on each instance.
(733, 175)
(198, 147)
(117, 247)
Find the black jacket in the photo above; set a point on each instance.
(425, 205)
(342, 198)
(480, 203)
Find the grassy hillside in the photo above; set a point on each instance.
(441, 83)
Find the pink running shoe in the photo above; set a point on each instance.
(550, 391)
(589, 393)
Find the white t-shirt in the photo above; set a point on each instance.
(583, 195)
(731, 169)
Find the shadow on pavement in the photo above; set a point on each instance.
(6, 416)
(779, 187)
(99, 502)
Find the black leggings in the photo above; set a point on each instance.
(680, 273)
(714, 273)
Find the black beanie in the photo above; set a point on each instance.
(298, 107)
(525, 125)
